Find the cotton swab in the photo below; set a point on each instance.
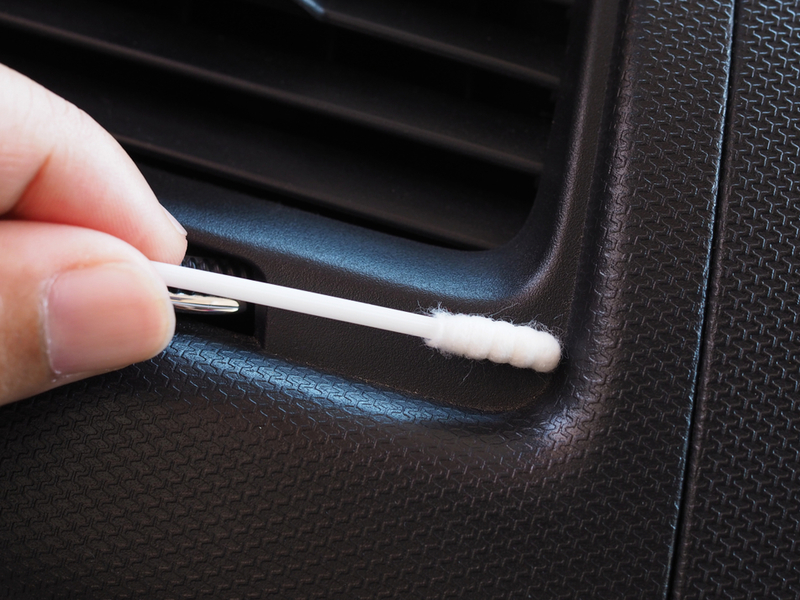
(471, 336)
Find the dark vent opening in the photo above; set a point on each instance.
(250, 319)
(373, 128)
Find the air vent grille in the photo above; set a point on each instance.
(427, 119)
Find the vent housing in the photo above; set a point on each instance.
(427, 119)
(351, 147)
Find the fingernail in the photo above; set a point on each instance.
(175, 223)
(106, 317)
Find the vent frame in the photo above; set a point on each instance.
(530, 277)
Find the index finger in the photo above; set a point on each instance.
(58, 165)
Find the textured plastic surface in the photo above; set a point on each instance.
(214, 471)
(742, 526)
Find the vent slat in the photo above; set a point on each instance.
(454, 34)
(169, 126)
(258, 96)
(498, 136)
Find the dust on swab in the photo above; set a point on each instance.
(471, 336)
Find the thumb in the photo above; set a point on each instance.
(73, 303)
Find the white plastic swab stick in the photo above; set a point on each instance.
(466, 335)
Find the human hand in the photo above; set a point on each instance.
(77, 224)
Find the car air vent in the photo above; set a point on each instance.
(405, 153)
(427, 119)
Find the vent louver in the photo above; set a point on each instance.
(425, 118)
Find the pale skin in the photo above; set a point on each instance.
(78, 224)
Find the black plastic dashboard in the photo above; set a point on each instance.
(659, 460)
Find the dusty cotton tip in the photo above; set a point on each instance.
(501, 342)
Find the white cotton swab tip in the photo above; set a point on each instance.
(482, 338)
(471, 336)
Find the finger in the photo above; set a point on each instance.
(74, 302)
(57, 165)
